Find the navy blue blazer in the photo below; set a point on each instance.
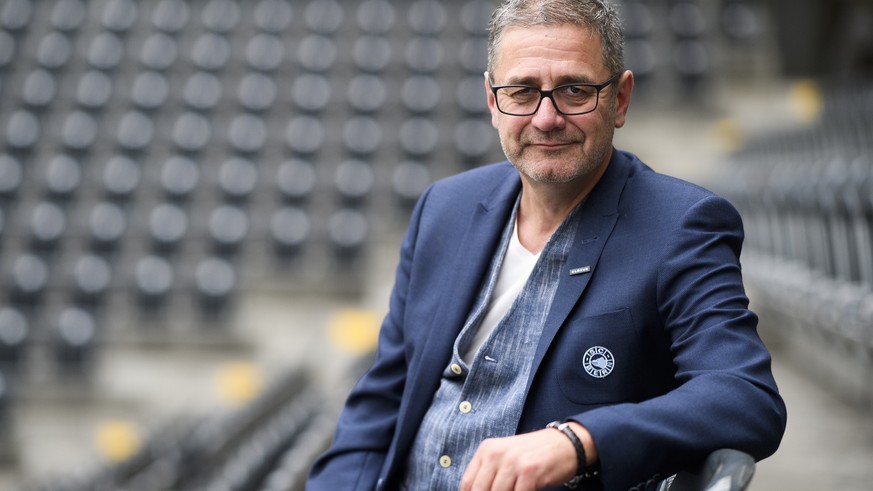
(657, 283)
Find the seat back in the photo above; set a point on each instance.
(722, 470)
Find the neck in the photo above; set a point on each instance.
(544, 206)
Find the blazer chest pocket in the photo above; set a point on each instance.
(598, 359)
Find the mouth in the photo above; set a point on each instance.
(550, 145)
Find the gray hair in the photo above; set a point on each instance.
(598, 15)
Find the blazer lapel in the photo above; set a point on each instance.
(597, 218)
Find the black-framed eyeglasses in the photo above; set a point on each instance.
(568, 99)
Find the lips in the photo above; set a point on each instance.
(550, 145)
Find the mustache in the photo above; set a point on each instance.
(550, 138)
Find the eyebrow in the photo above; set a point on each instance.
(562, 80)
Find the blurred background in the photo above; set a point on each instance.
(201, 203)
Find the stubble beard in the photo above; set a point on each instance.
(568, 164)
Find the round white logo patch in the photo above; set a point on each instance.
(598, 361)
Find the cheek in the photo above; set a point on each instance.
(507, 129)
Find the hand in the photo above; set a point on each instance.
(526, 462)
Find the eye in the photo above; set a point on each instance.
(521, 92)
(576, 94)
(577, 90)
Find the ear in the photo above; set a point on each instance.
(624, 87)
(492, 105)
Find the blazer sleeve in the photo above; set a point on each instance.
(725, 395)
(366, 425)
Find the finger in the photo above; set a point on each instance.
(470, 473)
(485, 460)
(504, 478)
(526, 481)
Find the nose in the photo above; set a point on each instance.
(547, 116)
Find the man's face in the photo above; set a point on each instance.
(547, 146)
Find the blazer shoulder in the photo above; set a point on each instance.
(648, 183)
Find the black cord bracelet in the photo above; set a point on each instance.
(582, 471)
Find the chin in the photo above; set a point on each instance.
(552, 176)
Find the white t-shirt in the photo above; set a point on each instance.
(514, 272)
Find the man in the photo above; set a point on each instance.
(574, 285)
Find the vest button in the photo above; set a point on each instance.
(456, 369)
(445, 461)
(465, 407)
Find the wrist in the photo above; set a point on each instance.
(591, 454)
(585, 468)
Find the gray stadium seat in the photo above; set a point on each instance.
(94, 90)
(273, 16)
(107, 224)
(39, 89)
(290, 229)
(119, 15)
(221, 15)
(257, 92)
(296, 179)
(367, 93)
(376, 16)
(150, 91)
(76, 334)
(68, 15)
(153, 282)
(304, 135)
(354, 180)
(16, 14)
(311, 92)
(171, 15)
(238, 179)
(179, 177)
(158, 52)
(63, 176)
(247, 133)
(191, 132)
(91, 278)
(229, 226)
(105, 51)
(11, 176)
(324, 16)
(135, 131)
(48, 224)
(265, 52)
(427, 17)
(14, 334)
(168, 226)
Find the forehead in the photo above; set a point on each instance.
(544, 52)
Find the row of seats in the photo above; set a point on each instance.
(805, 193)
(266, 444)
(264, 53)
(276, 16)
(65, 180)
(247, 134)
(805, 197)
